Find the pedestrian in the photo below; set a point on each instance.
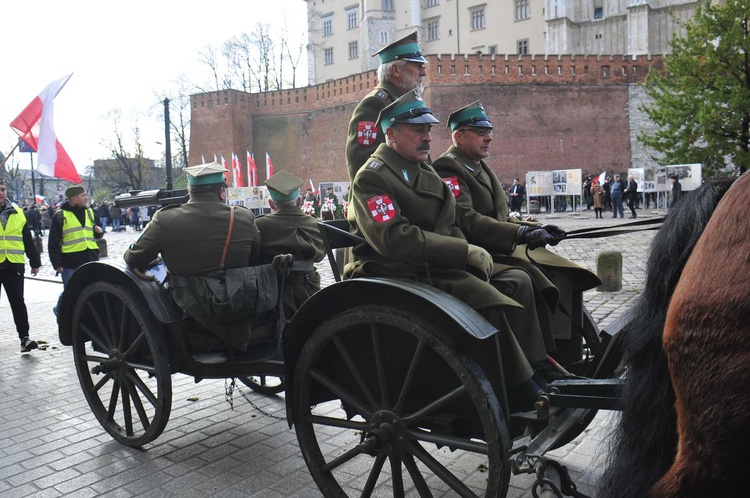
(407, 215)
(631, 191)
(401, 69)
(288, 230)
(676, 190)
(15, 240)
(116, 212)
(597, 196)
(73, 235)
(329, 205)
(208, 246)
(103, 212)
(135, 218)
(607, 197)
(517, 193)
(616, 192)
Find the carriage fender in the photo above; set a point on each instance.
(117, 272)
(414, 297)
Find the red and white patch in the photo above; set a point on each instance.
(367, 133)
(381, 208)
(452, 182)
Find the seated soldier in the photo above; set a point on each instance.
(406, 214)
(483, 218)
(290, 231)
(196, 240)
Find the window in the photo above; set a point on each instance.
(523, 10)
(431, 3)
(523, 47)
(384, 37)
(353, 50)
(327, 26)
(388, 5)
(433, 30)
(477, 19)
(351, 18)
(598, 9)
(492, 49)
(328, 55)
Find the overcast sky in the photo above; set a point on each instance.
(122, 56)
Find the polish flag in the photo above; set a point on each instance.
(601, 178)
(226, 173)
(312, 185)
(269, 167)
(238, 180)
(252, 171)
(35, 125)
(39, 199)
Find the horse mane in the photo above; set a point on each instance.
(643, 445)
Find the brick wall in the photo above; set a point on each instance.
(549, 113)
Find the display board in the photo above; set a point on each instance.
(538, 183)
(566, 182)
(691, 175)
(255, 198)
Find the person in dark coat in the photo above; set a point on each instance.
(631, 192)
(287, 230)
(15, 240)
(401, 70)
(676, 190)
(103, 212)
(407, 215)
(517, 193)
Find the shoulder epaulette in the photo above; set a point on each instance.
(382, 95)
(450, 154)
(374, 164)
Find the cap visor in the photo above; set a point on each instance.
(421, 119)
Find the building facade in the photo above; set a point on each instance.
(343, 34)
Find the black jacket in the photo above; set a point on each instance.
(28, 243)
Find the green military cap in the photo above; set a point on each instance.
(73, 191)
(283, 186)
(472, 115)
(408, 108)
(206, 174)
(403, 49)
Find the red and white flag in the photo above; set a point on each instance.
(312, 186)
(238, 180)
(226, 173)
(252, 170)
(269, 167)
(36, 126)
(601, 178)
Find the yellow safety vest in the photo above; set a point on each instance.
(11, 241)
(77, 238)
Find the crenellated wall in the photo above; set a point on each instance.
(549, 112)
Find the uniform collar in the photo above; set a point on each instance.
(404, 169)
(470, 165)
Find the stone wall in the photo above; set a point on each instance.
(550, 112)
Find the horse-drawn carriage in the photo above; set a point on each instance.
(392, 374)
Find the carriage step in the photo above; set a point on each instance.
(211, 358)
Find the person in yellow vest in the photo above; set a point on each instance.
(73, 234)
(15, 240)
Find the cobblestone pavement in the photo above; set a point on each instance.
(51, 444)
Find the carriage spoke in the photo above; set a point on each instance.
(397, 480)
(356, 374)
(115, 334)
(113, 399)
(100, 324)
(406, 388)
(342, 459)
(124, 327)
(372, 477)
(138, 383)
(136, 342)
(441, 472)
(95, 338)
(138, 404)
(127, 413)
(336, 422)
(436, 405)
(422, 488)
(101, 383)
(380, 366)
(343, 394)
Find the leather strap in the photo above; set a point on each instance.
(226, 242)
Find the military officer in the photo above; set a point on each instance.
(196, 240)
(483, 217)
(401, 70)
(406, 213)
(290, 231)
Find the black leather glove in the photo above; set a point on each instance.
(534, 237)
(556, 232)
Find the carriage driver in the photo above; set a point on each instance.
(407, 215)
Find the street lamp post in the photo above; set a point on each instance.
(168, 145)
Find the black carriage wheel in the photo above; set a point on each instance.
(375, 388)
(122, 363)
(264, 384)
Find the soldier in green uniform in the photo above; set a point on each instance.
(483, 217)
(406, 213)
(290, 231)
(193, 241)
(401, 70)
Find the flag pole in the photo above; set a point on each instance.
(5, 160)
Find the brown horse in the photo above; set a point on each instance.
(707, 342)
(644, 444)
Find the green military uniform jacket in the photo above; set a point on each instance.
(289, 231)
(407, 215)
(364, 135)
(190, 239)
(483, 214)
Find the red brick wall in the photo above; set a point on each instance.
(548, 112)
